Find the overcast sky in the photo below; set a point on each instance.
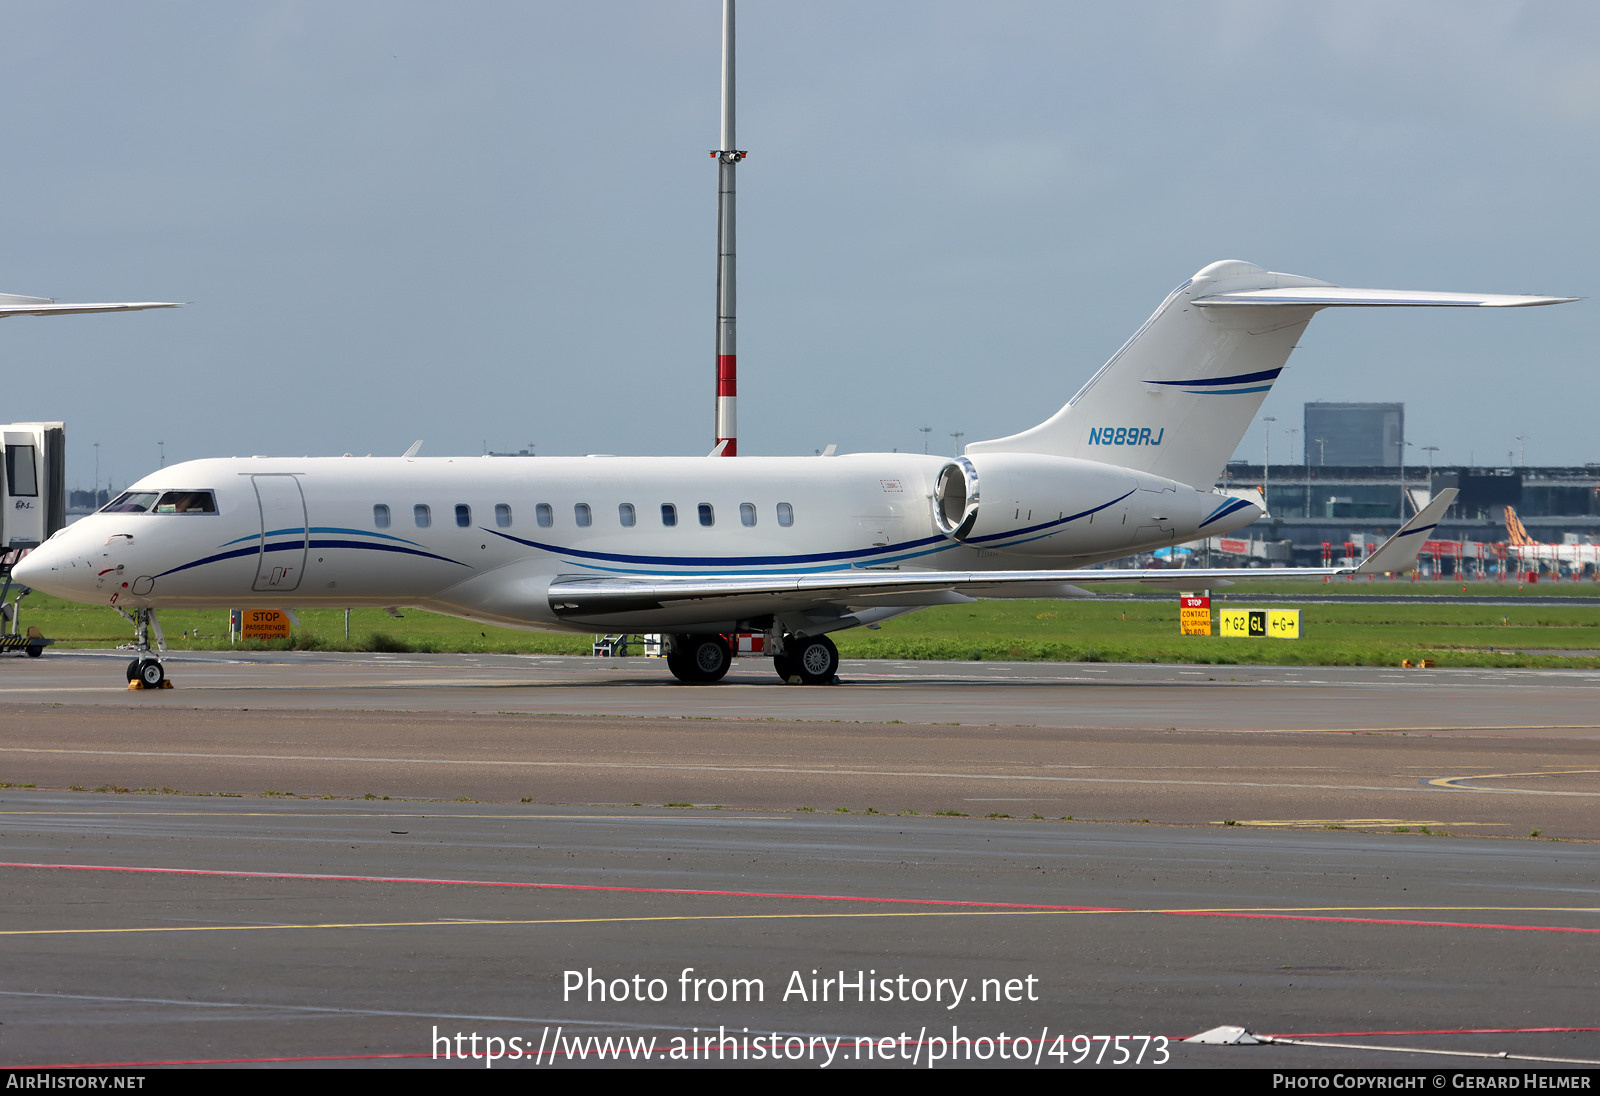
(493, 223)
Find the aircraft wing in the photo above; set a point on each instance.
(755, 594)
(12, 304)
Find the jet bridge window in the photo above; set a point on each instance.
(502, 515)
(463, 515)
(626, 515)
(785, 514)
(423, 515)
(22, 470)
(545, 516)
(669, 514)
(380, 516)
(582, 515)
(747, 513)
(708, 516)
(187, 502)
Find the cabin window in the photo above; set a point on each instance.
(423, 515)
(463, 515)
(708, 516)
(187, 502)
(502, 515)
(380, 516)
(545, 516)
(626, 515)
(747, 513)
(669, 514)
(582, 515)
(785, 514)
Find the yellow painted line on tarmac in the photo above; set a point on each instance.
(1410, 728)
(1282, 911)
(1303, 823)
(1455, 781)
(457, 923)
(700, 815)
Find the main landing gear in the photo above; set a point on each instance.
(703, 659)
(699, 659)
(814, 660)
(146, 670)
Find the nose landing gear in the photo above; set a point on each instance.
(146, 670)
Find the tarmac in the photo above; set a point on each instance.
(1002, 861)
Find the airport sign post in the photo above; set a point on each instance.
(263, 624)
(1275, 623)
(1194, 615)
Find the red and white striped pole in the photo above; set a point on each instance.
(726, 422)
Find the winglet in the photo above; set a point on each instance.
(1399, 552)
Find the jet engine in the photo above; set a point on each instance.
(1034, 504)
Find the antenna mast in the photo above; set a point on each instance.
(727, 157)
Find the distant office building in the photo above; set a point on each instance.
(1350, 434)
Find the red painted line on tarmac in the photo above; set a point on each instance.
(222, 1061)
(946, 902)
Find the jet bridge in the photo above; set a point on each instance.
(33, 486)
(33, 505)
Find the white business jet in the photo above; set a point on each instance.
(697, 548)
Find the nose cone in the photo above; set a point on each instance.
(29, 570)
(48, 569)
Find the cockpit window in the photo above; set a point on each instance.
(187, 502)
(132, 502)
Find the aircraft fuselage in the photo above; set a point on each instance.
(484, 537)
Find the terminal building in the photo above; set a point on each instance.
(1367, 435)
(1351, 490)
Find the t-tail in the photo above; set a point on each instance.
(1177, 398)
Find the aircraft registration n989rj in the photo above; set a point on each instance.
(696, 548)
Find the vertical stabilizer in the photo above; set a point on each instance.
(1179, 395)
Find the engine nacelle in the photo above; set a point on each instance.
(955, 498)
(1034, 505)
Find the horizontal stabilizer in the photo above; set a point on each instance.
(1334, 296)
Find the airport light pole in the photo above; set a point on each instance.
(1266, 462)
(1305, 451)
(926, 430)
(726, 425)
(1292, 431)
(958, 435)
(1322, 461)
